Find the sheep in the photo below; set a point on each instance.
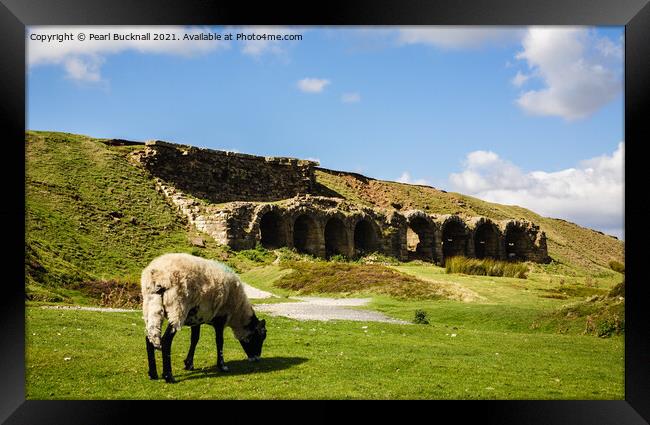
(189, 291)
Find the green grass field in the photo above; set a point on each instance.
(484, 349)
(94, 220)
(306, 360)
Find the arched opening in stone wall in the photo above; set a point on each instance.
(486, 241)
(273, 230)
(454, 239)
(305, 235)
(518, 244)
(365, 238)
(412, 241)
(419, 239)
(336, 238)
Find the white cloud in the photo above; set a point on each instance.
(520, 79)
(312, 85)
(82, 59)
(590, 194)
(580, 72)
(406, 178)
(86, 70)
(350, 97)
(447, 37)
(610, 49)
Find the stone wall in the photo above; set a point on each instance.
(203, 183)
(323, 226)
(220, 176)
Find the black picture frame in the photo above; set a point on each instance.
(15, 15)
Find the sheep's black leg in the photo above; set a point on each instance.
(166, 353)
(151, 357)
(189, 360)
(219, 323)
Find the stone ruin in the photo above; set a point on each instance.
(243, 200)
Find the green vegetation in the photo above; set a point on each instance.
(93, 355)
(421, 317)
(617, 266)
(601, 316)
(486, 267)
(322, 277)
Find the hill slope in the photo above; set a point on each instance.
(568, 243)
(92, 215)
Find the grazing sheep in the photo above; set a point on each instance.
(189, 290)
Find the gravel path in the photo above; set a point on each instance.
(254, 293)
(324, 309)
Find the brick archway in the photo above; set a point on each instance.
(518, 244)
(366, 239)
(273, 231)
(420, 238)
(486, 241)
(336, 238)
(306, 237)
(454, 239)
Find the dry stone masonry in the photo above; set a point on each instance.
(220, 176)
(244, 200)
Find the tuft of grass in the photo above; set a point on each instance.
(338, 258)
(617, 266)
(486, 267)
(421, 317)
(378, 258)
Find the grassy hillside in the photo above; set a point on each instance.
(91, 216)
(582, 249)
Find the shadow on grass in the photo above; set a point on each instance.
(243, 367)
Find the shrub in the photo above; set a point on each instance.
(421, 317)
(617, 266)
(378, 258)
(259, 254)
(610, 326)
(617, 291)
(486, 267)
(113, 293)
(338, 258)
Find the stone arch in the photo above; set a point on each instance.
(366, 238)
(454, 238)
(273, 230)
(306, 235)
(517, 243)
(486, 240)
(336, 238)
(420, 237)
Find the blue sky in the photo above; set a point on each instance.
(529, 116)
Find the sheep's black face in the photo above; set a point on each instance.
(252, 344)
